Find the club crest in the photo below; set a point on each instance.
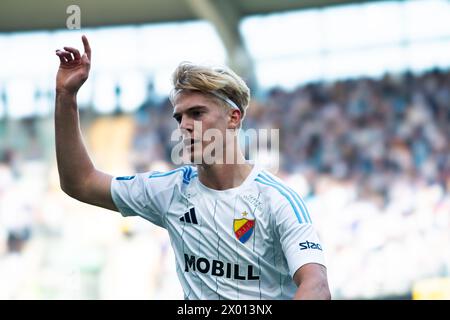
(243, 228)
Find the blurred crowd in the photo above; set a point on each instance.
(371, 157)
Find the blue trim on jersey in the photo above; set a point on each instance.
(187, 172)
(282, 193)
(187, 175)
(294, 194)
(164, 174)
(125, 178)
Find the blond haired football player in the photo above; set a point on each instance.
(238, 232)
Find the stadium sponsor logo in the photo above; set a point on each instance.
(243, 228)
(309, 245)
(208, 147)
(219, 268)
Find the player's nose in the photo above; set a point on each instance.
(186, 124)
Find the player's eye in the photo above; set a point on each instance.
(177, 119)
(196, 114)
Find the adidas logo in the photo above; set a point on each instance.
(189, 217)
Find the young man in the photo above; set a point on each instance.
(238, 232)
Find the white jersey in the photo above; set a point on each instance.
(241, 243)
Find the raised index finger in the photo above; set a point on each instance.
(87, 47)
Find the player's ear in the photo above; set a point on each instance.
(234, 117)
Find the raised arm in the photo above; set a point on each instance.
(312, 282)
(77, 174)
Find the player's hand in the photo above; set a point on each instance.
(74, 69)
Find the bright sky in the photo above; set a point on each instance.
(288, 49)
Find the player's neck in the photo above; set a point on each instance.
(224, 176)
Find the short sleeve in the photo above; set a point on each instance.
(136, 196)
(299, 239)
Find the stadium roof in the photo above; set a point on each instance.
(225, 15)
(21, 15)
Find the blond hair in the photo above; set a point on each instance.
(220, 82)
